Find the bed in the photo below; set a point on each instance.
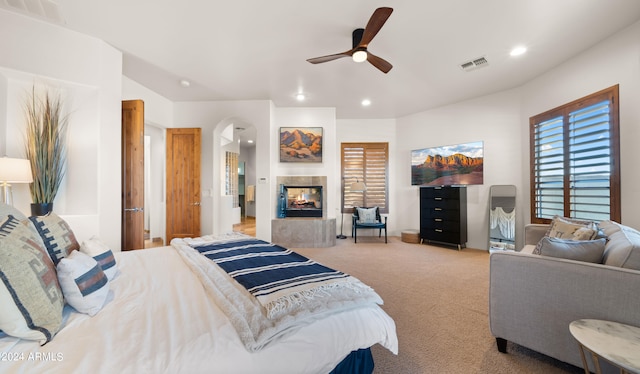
(161, 316)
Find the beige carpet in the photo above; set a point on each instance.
(438, 297)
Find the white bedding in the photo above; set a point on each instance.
(159, 319)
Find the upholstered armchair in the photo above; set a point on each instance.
(368, 218)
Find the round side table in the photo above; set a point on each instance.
(615, 342)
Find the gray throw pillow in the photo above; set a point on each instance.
(579, 250)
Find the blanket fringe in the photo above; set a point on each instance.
(285, 304)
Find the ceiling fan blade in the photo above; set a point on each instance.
(378, 62)
(318, 60)
(377, 20)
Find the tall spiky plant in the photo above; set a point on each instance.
(45, 144)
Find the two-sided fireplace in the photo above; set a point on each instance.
(301, 201)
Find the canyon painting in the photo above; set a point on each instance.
(460, 164)
(301, 144)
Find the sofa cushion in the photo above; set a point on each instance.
(579, 250)
(623, 248)
(569, 228)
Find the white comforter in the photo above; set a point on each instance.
(159, 319)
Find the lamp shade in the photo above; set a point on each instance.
(358, 187)
(15, 170)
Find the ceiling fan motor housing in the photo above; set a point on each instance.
(356, 37)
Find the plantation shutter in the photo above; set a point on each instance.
(590, 162)
(365, 162)
(549, 168)
(575, 153)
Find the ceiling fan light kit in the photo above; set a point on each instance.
(360, 41)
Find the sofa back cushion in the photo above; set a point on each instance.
(623, 246)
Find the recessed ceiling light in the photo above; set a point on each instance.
(185, 83)
(300, 97)
(250, 141)
(517, 51)
(366, 102)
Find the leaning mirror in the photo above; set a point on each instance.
(502, 217)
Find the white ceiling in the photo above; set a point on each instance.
(257, 49)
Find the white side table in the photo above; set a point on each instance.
(615, 342)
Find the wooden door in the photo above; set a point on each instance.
(183, 183)
(132, 174)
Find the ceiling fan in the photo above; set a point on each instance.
(361, 39)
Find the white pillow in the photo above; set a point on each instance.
(84, 284)
(367, 215)
(100, 252)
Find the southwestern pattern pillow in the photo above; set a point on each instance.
(7, 210)
(57, 236)
(31, 300)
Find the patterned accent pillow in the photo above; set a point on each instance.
(367, 215)
(31, 300)
(7, 210)
(84, 284)
(95, 248)
(57, 236)
(569, 228)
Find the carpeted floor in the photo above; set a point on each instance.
(438, 297)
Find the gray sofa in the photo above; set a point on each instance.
(534, 298)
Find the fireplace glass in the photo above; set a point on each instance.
(303, 201)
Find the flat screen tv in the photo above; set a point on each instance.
(459, 164)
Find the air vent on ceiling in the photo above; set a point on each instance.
(474, 64)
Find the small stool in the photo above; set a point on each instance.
(410, 236)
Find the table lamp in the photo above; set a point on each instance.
(13, 170)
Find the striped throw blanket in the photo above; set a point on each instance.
(281, 280)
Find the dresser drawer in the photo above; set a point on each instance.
(441, 236)
(441, 213)
(452, 225)
(442, 204)
(440, 192)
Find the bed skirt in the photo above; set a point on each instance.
(357, 362)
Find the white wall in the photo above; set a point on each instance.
(614, 61)
(502, 122)
(307, 117)
(493, 119)
(213, 117)
(87, 71)
(369, 131)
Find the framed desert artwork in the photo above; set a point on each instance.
(301, 144)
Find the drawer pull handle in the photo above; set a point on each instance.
(438, 230)
(437, 198)
(438, 219)
(438, 209)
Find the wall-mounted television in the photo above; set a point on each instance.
(459, 164)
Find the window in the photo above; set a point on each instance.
(575, 160)
(231, 177)
(367, 163)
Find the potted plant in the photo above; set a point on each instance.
(45, 148)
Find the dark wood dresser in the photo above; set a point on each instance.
(443, 215)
